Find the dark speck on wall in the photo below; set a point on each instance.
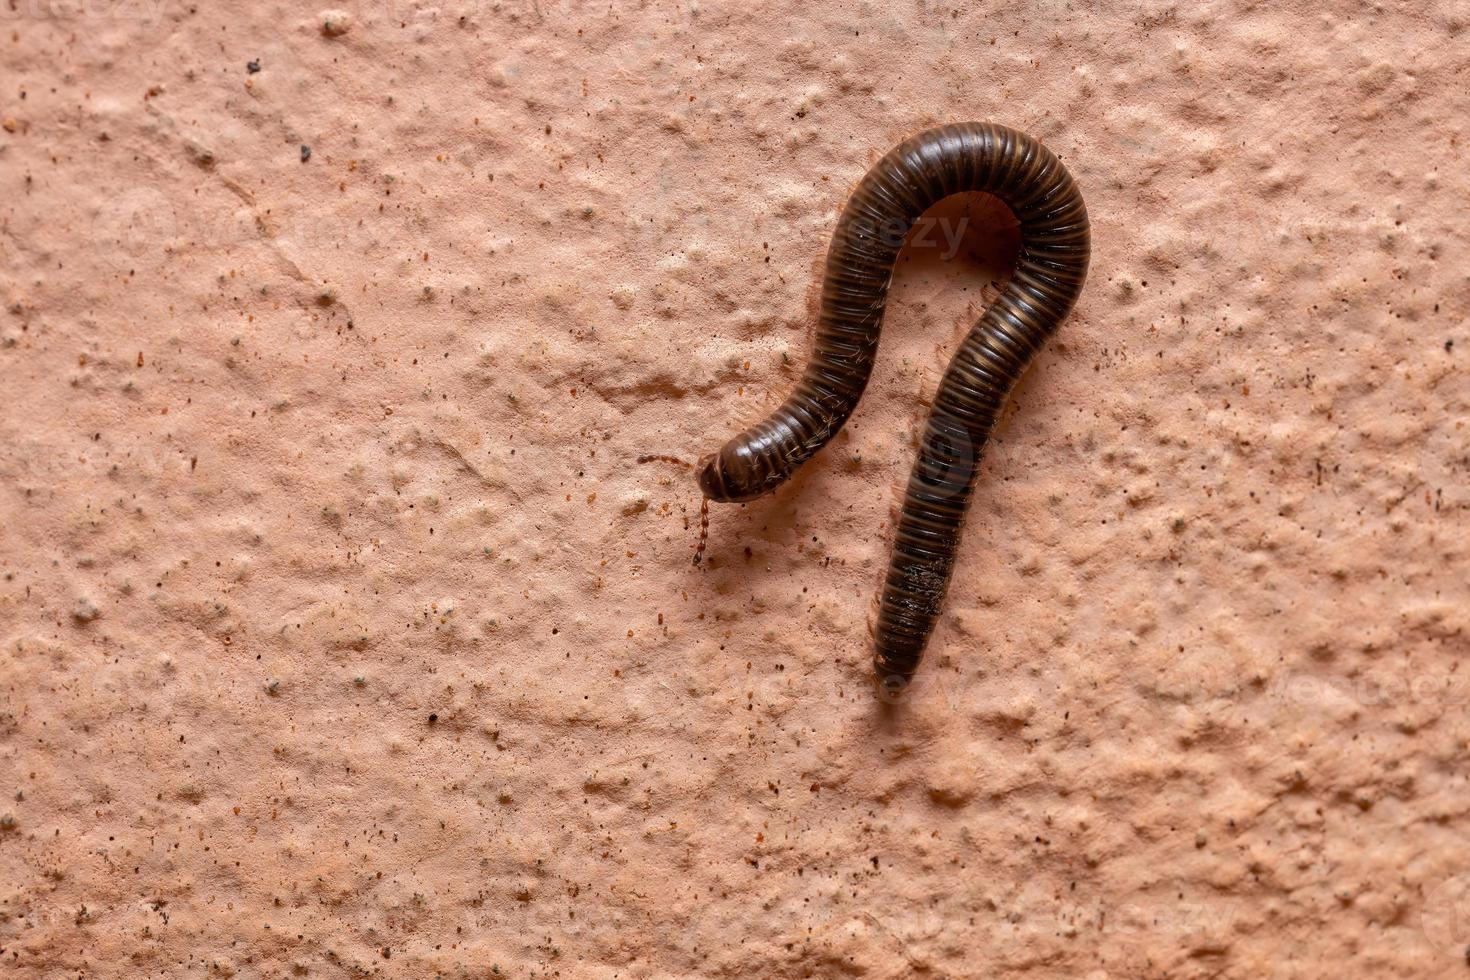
(305, 153)
(252, 66)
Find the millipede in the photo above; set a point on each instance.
(1050, 269)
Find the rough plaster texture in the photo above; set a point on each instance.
(344, 636)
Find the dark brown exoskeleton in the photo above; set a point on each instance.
(1049, 273)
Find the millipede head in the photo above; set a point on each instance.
(725, 481)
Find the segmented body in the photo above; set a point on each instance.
(1049, 274)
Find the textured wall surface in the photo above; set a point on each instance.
(343, 635)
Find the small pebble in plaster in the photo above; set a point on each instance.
(335, 23)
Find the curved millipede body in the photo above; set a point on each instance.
(1049, 273)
